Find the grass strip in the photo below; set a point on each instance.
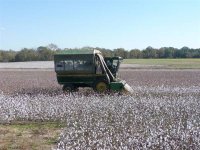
(29, 135)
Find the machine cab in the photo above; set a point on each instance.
(113, 64)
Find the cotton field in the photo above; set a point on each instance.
(27, 65)
(163, 112)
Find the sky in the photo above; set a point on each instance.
(109, 24)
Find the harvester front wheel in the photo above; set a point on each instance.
(69, 88)
(101, 86)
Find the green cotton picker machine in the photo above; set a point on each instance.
(88, 68)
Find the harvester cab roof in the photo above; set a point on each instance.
(88, 68)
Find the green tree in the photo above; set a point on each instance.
(185, 51)
(44, 53)
(105, 52)
(26, 55)
(52, 47)
(121, 52)
(1, 58)
(135, 53)
(169, 52)
(8, 56)
(149, 52)
(161, 53)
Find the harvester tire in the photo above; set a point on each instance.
(69, 88)
(101, 86)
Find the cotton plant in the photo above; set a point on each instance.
(162, 113)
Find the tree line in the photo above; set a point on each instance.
(46, 53)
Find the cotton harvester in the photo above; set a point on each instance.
(88, 68)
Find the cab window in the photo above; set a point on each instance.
(59, 66)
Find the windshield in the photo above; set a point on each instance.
(73, 65)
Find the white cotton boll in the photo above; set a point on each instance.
(157, 116)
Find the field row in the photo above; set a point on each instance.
(127, 63)
(163, 112)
